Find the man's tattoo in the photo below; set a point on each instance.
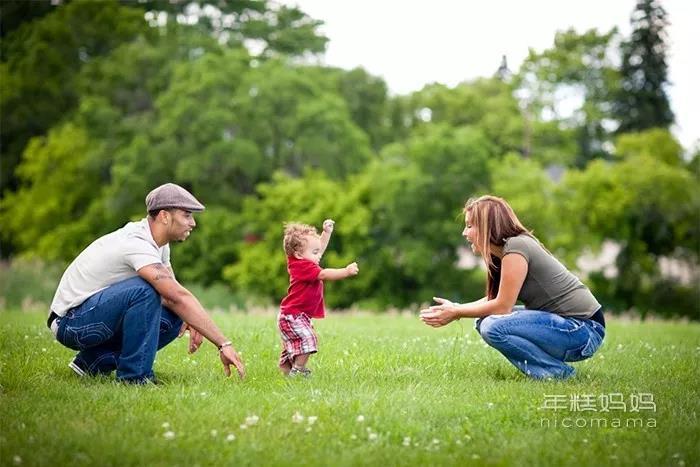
(162, 273)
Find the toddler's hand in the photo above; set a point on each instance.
(352, 269)
(328, 225)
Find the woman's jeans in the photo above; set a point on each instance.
(121, 327)
(539, 342)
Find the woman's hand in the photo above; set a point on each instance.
(439, 315)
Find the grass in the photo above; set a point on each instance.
(452, 400)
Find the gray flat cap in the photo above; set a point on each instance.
(171, 195)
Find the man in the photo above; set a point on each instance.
(118, 302)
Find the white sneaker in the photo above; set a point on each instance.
(78, 371)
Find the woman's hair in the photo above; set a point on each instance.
(495, 222)
(295, 237)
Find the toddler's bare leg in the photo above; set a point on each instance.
(285, 365)
(300, 360)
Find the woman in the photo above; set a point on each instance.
(561, 320)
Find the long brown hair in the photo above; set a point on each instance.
(495, 222)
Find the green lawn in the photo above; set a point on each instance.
(386, 390)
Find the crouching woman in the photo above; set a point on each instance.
(561, 321)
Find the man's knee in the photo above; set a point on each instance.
(141, 290)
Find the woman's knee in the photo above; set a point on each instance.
(491, 329)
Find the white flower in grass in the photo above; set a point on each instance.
(230, 437)
(360, 418)
(297, 418)
(436, 441)
(17, 460)
(406, 441)
(165, 425)
(244, 427)
(312, 420)
(169, 435)
(252, 420)
(372, 437)
(489, 405)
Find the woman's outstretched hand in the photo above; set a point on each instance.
(439, 315)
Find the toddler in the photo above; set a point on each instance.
(304, 300)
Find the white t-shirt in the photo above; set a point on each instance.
(110, 259)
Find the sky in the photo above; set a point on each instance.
(411, 44)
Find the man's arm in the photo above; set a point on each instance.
(187, 307)
(196, 338)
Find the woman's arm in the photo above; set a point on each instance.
(513, 273)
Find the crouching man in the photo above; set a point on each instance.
(118, 302)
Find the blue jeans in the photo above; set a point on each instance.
(121, 327)
(539, 343)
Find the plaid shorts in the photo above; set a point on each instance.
(298, 337)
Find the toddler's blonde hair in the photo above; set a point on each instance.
(295, 235)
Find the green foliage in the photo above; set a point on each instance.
(43, 223)
(28, 284)
(576, 65)
(656, 143)
(105, 101)
(40, 62)
(488, 104)
(642, 102)
(649, 217)
(296, 123)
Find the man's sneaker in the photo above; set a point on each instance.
(305, 372)
(75, 366)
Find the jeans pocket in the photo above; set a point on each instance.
(583, 352)
(84, 337)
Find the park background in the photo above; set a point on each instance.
(100, 101)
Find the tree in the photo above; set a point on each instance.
(578, 67)
(642, 102)
(40, 62)
(297, 122)
(266, 28)
(15, 13)
(651, 209)
(487, 104)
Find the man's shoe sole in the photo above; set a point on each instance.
(78, 371)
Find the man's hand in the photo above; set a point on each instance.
(229, 357)
(196, 338)
(352, 269)
(328, 225)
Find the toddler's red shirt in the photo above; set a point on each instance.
(305, 292)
